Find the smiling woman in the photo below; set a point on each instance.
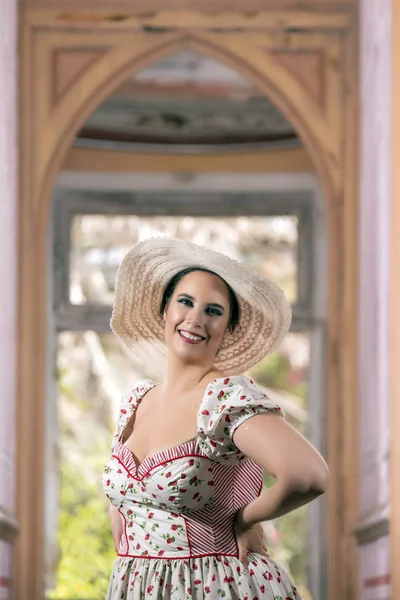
(234, 310)
(199, 313)
(185, 476)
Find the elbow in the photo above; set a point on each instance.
(312, 482)
(318, 483)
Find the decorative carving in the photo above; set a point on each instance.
(68, 65)
(308, 67)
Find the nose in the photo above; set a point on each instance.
(196, 317)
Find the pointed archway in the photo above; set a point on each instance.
(308, 73)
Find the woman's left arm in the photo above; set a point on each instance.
(300, 471)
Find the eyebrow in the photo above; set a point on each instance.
(213, 304)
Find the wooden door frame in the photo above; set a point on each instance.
(65, 74)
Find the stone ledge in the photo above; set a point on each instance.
(8, 527)
(373, 527)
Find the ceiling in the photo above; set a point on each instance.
(187, 100)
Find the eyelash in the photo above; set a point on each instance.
(187, 302)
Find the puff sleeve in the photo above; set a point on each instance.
(226, 405)
(127, 406)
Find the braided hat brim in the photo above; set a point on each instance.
(265, 313)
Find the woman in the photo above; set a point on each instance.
(185, 476)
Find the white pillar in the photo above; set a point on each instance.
(8, 277)
(374, 297)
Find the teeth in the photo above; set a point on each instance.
(189, 336)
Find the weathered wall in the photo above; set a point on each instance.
(8, 272)
(374, 299)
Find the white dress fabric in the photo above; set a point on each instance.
(178, 507)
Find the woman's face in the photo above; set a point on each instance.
(196, 317)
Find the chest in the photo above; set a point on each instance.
(161, 423)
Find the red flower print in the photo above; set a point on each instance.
(173, 483)
(252, 382)
(262, 588)
(171, 498)
(221, 394)
(191, 462)
(122, 492)
(210, 393)
(136, 573)
(227, 418)
(213, 578)
(183, 491)
(243, 397)
(238, 569)
(129, 513)
(161, 552)
(183, 476)
(179, 548)
(205, 412)
(119, 471)
(212, 443)
(193, 480)
(223, 407)
(137, 546)
(196, 495)
(108, 482)
(147, 536)
(130, 486)
(210, 483)
(174, 527)
(150, 589)
(168, 474)
(226, 381)
(123, 411)
(130, 524)
(150, 515)
(189, 591)
(197, 582)
(251, 573)
(160, 487)
(207, 589)
(131, 538)
(170, 540)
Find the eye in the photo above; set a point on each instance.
(185, 301)
(215, 312)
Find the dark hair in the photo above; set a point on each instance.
(234, 312)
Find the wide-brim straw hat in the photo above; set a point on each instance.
(143, 275)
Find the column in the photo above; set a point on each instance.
(8, 281)
(373, 533)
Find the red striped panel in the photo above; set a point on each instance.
(211, 528)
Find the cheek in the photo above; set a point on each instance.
(174, 315)
(218, 328)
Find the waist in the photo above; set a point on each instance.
(153, 533)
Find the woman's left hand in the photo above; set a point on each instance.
(249, 539)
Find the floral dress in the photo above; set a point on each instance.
(178, 507)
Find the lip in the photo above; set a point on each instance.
(190, 333)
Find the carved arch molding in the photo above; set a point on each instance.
(305, 61)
